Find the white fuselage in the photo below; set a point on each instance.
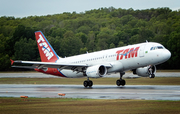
(120, 59)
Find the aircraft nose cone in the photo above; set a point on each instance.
(167, 55)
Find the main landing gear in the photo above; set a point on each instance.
(88, 83)
(121, 81)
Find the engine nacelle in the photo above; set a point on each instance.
(96, 71)
(144, 72)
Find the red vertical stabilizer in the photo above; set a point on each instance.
(46, 51)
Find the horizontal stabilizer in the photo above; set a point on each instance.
(11, 61)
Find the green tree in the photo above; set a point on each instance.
(25, 49)
(120, 44)
(82, 36)
(70, 45)
(107, 36)
(83, 50)
(174, 46)
(101, 44)
(84, 29)
(4, 57)
(55, 43)
(91, 41)
(112, 45)
(4, 62)
(55, 31)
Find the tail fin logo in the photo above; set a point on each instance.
(47, 51)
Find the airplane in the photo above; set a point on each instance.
(140, 58)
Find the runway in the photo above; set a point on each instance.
(144, 92)
(41, 75)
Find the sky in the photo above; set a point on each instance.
(25, 8)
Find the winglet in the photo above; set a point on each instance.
(12, 61)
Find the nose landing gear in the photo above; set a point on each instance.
(152, 75)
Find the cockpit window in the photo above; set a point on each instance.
(157, 47)
(160, 47)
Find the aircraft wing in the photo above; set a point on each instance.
(60, 66)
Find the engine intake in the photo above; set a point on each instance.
(96, 71)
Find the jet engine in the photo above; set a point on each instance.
(145, 71)
(96, 71)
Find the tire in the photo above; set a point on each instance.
(152, 76)
(123, 82)
(118, 82)
(90, 83)
(86, 83)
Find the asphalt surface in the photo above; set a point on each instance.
(145, 92)
(41, 75)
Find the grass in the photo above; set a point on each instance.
(100, 81)
(81, 106)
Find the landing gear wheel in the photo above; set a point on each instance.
(121, 82)
(152, 76)
(88, 83)
(118, 82)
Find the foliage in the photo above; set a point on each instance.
(97, 29)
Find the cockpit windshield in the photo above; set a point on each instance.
(160, 47)
(157, 47)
